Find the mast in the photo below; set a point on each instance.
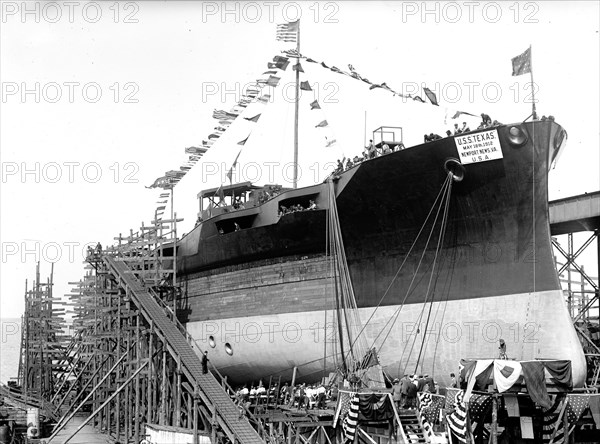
(297, 105)
(533, 111)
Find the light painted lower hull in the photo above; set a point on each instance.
(533, 325)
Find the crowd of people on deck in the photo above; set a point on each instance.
(486, 122)
(404, 391)
(283, 210)
(268, 193)
(370, 152)
(301, 396)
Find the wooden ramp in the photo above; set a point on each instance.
(87, 435)
(212, 393)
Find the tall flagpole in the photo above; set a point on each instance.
(297, 110)
(533, 112)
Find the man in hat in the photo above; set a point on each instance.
(205, 362)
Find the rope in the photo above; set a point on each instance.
(398, 310)
(404, 260)
(439, 245)
(347, 302)
(440, 241)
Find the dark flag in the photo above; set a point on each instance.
(195, 150)
(431, 96)
(418, 98)
(321, 124)
(243, 142)
(281, 62)
(315, 105)
(521, 64)
(253, 119)
(305, 86)
(298, 67)
(458, 114)
(161, 182)
(230, 172)
(273, 81)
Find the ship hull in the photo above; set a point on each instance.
(533, 326)
(493, 253)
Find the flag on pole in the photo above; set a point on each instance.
(243, 142)
(521, 64)
(288, 32)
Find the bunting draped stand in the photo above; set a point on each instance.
(535, 400)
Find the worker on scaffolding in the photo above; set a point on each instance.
(98, 249)
(205, 362)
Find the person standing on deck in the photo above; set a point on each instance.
(205, 362)
(453, 383)
(404, 388)
(397, 393)
(502, 350)
(411, 396)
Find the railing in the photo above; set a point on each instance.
(193, 343)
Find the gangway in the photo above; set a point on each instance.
(235, 425)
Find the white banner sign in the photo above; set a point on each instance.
(480, 147)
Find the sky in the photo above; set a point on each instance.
(100, 99)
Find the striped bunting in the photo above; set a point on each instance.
(288, 32)
(343, 405)
(552, 419)
(457, 420)
(351, 420)
(425, 404)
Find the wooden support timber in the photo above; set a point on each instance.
(133, 363)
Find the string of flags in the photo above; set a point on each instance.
(253, 94)
(520, 64)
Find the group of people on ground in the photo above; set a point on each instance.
(301, 396)
(404, 392)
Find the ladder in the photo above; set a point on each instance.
(412, 427)
(211, 392)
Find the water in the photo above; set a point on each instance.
(10, 344)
